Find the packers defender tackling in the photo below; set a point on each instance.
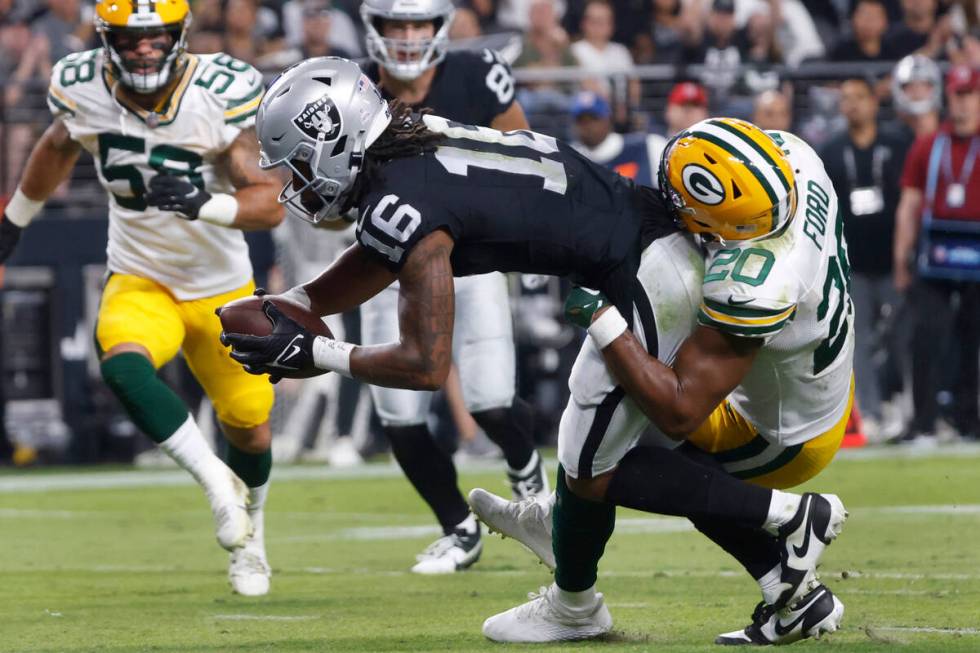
(172, 136)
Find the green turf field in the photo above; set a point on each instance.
(133, 567)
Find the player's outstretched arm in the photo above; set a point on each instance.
(679, 398)
(353, 278)
(420, 360)
(256, 190)
(49, 164)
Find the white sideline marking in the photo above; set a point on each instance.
(28, 481)
(262, 617)
(926, 629)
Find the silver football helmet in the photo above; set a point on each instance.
(917, 68)
(317, 119)
(406, 59)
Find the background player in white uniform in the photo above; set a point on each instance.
(761, 388)
(410, 63)
(172, 134)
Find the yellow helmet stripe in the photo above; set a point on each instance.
(732, 150)
(755, 146)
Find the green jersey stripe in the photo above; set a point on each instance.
(242, 117)
(783, 459)
(739, 330)
(248, 98)
(748, 164)
(61, 105)
(750, 449)
(743, 311)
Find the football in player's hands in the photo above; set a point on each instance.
(271, 335)
(246, 316)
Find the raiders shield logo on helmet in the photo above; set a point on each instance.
(319, 119)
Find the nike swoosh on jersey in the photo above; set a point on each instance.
(782, 630)
(739, 302)
(807, 527)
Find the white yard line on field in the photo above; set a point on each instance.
(263, 617)
(28, 481)
(927, 629)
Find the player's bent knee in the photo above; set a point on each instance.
(253, 440)
(590, 489)
(245, 410)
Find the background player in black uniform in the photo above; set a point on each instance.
(410, 63)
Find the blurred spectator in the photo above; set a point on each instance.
(245, 37)
(315, 42)
(63, 28)
(940, 209)
(635, 156)
(864, 164)
(964, 49)
(760, 45)
(24, 68)
(466, 25)
(671, 31)
(345, 33)
(772, 110)
(596, 52)
(687, 104)
(869, 22)
(718, 48)
(917, 94)
(545, 42)
(917, 30)
(796, 33)
(514, 14)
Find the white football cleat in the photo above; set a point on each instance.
(815, 614)
(229, 507)
(545, 619)
(248, 571)
(528, 521)
(802, 540)
(450, 553)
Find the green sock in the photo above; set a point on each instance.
(252, 468)
(148, 401)
(581, 530)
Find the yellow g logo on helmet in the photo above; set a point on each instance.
(134, 18)
(728, 178)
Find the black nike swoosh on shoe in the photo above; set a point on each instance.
(807, 529)
(782, 630)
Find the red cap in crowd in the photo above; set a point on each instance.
(962, 79)
(688, 93)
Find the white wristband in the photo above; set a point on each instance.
(221, 210)
(298, 295)
(332, 355)
(607, 327)
(21, 209)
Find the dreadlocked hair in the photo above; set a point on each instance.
(406, 136)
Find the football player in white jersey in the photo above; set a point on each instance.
(760, 388)
(172, 135)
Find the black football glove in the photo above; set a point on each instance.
(9, 235)
(287, 352)
(177, 194)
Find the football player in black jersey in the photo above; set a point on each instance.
(410, 63)
(438, 199)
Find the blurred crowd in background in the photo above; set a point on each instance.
(588, 71)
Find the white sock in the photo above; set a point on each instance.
(583, 600)
(782, 507)
(256, 510)
(469, 524)
(190, 450)
(528, 468)
(770, 585)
